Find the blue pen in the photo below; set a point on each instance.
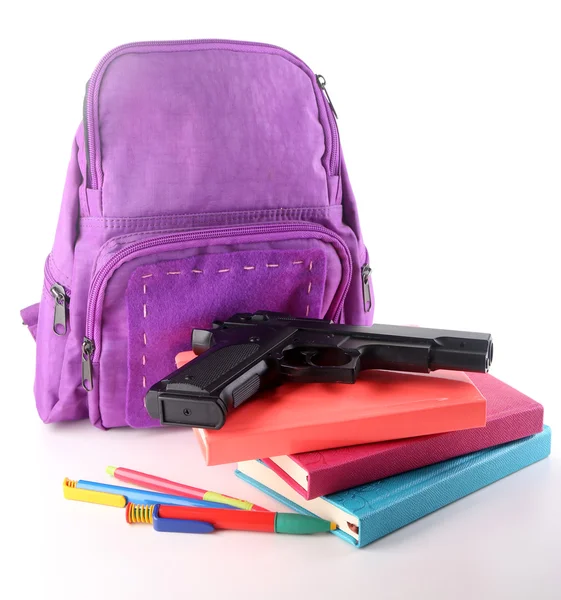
(144, 496)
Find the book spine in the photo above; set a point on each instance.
(414, 453)
(289, 503)
(482, 469)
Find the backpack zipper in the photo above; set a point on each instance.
(93, 162)
(87, 352)
(334, 157)
(322, 84)
(322, 233)
(61, 301)
(366, 295)
(61, 296)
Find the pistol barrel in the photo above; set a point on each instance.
(462, 354)
(421, 350)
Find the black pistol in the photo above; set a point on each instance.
(252, 352)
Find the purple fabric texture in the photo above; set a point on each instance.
(29, 317)
(235, 137)
(166, 300)
(190, 136)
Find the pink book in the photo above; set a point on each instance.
(511, 415)
(381, 405)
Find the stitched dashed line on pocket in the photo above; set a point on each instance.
(145, 314)
(200, 272)
(227, 270)
(309, 288)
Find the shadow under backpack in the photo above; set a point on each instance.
(206, 179)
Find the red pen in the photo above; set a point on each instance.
(186, 519)
(152, 482)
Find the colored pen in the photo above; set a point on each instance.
(137, 513)
(144, 496)
(226, 518)
(71, 492)
(159, 484)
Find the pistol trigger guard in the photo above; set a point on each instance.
(322, 364)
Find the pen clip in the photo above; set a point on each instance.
(71, 492)
(180, 525)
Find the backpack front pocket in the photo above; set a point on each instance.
(146, 297)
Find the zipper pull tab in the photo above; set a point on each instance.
(365, 273)
(321, 82)
(59, 323)
(87, 351)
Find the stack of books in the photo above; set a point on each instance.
(384, 452)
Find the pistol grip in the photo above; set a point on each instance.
(203, 374)
(200, 393)
(245, 386)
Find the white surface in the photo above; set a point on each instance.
(450, 123)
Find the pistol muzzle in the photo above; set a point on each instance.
(473, 354)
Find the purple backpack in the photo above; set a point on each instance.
(206, 179)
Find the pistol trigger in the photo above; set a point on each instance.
(308, 356)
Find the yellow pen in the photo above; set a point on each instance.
(71, 492)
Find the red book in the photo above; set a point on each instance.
(381, 405)
(511, 415)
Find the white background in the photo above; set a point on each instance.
(450, 120)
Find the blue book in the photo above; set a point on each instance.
(368, 512)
